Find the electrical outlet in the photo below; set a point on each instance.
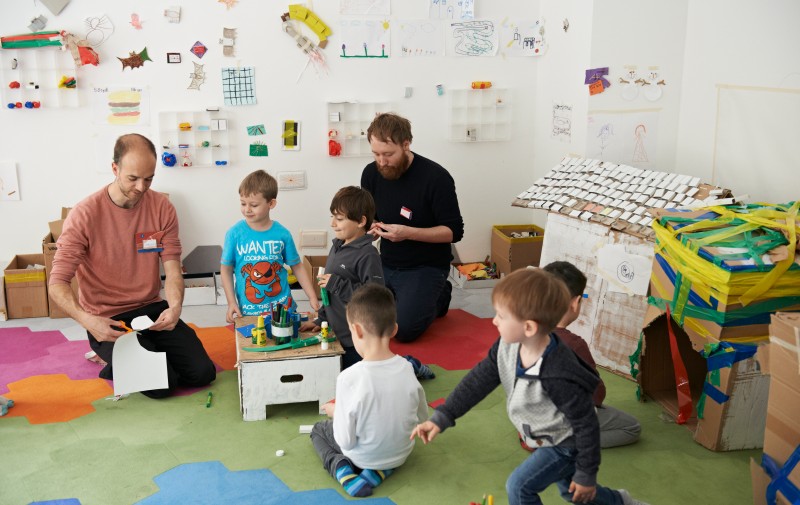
(313, 238)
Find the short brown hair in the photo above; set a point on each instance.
(389, 127)
(373, 307)
(129, 142)
(259, 182)
(354, 202)
(535, 295)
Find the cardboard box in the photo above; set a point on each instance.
(221, 298)
(737, 422)
(199, 289)
(757, 328)
(312, 265)
(782, 434)
(26, 290)
(49, 251)
(760, 482)
(464, 282)
(510, 253)
(3, 309)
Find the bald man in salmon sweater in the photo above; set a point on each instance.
(113, 241)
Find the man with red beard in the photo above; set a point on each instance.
(417, 218)
(114, 241)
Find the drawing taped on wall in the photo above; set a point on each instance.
(472, 38)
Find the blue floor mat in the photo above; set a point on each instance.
(212, 483)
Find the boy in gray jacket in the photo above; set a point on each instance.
(548, 394)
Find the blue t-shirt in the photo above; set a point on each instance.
(257, 258)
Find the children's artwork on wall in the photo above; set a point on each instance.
(9, 185)
(292, 180)
(228, 3)
(365, 7)
(625, 136)
(304, 15)
(314, 53)
(173, 13)
(136, 22)
(452, 9)
(420, 38)
(239, 85)
(259, 149)
(121, 105)
(364, 38)
(472, 38)
(37, 24)
(522, 38)
(596, 80)
(291, 135)
(81, 51)
(98, 30)
(562, 122)
(256, 130)
(198, 76)
(199, 49)
(228, 40)
(135, 60)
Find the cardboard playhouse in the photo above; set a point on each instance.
(776, 477)
(718, 275)
(599, 220)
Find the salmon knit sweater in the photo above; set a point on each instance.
(99, 245)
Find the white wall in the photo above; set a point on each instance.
(696, 43)
(55, 150)
(740, 43)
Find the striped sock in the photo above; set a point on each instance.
(375, 477)
(353, 484)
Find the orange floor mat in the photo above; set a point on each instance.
(55, 398)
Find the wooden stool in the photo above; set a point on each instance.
(286, 376)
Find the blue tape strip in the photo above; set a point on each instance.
(779, 476)
(714, 393)
(723, 357)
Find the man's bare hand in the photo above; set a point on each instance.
(167, 320)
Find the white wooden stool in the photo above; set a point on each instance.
(287, 376)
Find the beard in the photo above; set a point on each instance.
(394, 172)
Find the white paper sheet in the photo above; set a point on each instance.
(137, 369)
(625, 273)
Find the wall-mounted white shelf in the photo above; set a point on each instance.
(348, 123)
(479, 115)
(38, 71)
(205, 144)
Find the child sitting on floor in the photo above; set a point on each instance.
(616, 427)
(378, 400)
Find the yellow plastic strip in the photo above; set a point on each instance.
(34, 276)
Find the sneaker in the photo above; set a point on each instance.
(627, 499)
(524, 445)
(443, 303)
(421, 371)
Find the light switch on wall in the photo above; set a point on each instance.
(313, 238)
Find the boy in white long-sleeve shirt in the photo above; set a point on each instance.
(378, 400)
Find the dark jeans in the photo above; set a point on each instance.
(419, 293)
(544, 467)
(327, 449)
(188, 363)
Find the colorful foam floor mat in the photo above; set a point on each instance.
(65, 441)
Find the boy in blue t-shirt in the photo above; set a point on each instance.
(255, 250)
